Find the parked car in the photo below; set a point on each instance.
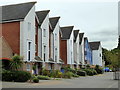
(107, 69)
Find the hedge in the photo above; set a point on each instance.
(16, 76)
(81, 73)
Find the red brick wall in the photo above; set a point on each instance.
(11, 33)
(63, 51)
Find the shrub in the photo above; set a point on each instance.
(67, 75)
(40, 77)
(94, 72)
(59, 75)
(45, 72)
(81, 73)
(87, 66)
(99, 69)
(53, 74)
(89, 72)
(17, 76)
(7, 75)
(36, 80)
(21, 76)
(75, 75)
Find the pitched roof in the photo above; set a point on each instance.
(42, 15)
(76, 32)
(66, 32)
(16, 11)
(81, 37)
(94, 45)
(54, 21)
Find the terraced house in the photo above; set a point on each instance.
(57, 34)
(66, 46)
(76, 48)
(96, 53)
(43, 37)
(81, 49)
(41, 41)
(18, 30)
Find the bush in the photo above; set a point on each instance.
(45, 72)
(89, 72)
(94, 72)
(87, 66)
(59, 75)
(75, 75)
(99, 69)
(53, 74)
(81, 73)
(7, 75)
(36, 80)
(67, 75)
(40, 77)
(17, 76)
(21, 76)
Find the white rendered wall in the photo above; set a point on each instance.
(27, 35)
(56, 41)
(70, 53)
(81, 54)
(45, 40)
(97, 59)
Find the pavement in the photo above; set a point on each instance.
(98, 81)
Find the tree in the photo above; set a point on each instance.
(118, 43)
(16, 62)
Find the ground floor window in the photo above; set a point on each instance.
(28, 67)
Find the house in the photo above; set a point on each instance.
(43, 38)
(6, 51)
(96, 53)
(56, 37)
(81, 49)
(18, 30)
(66, 46)
(76, 48)
(87, 52)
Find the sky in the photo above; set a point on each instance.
(98, 19)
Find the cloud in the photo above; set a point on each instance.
(108, 37)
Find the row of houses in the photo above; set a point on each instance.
(42, 42)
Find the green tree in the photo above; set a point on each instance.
(16, 62)
(118, 43)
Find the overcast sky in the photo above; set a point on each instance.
(98, 19)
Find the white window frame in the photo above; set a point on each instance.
(29, 50)
(28, 67)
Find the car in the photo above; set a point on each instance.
(107, 69)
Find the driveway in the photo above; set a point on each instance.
(99, 81)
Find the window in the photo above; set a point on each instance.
(55, 54)
(44, 32)
(55, 36)
(28, 67)
(100, 55)
(29, 51)
(44, 53)
(29, 26)
(35, 48)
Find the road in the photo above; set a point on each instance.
(99, 81)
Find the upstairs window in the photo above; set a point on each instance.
(55, 36)
(29, 26)
(44, 32)
(44, 53)
(55, 54)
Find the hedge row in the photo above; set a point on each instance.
(16, 76)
